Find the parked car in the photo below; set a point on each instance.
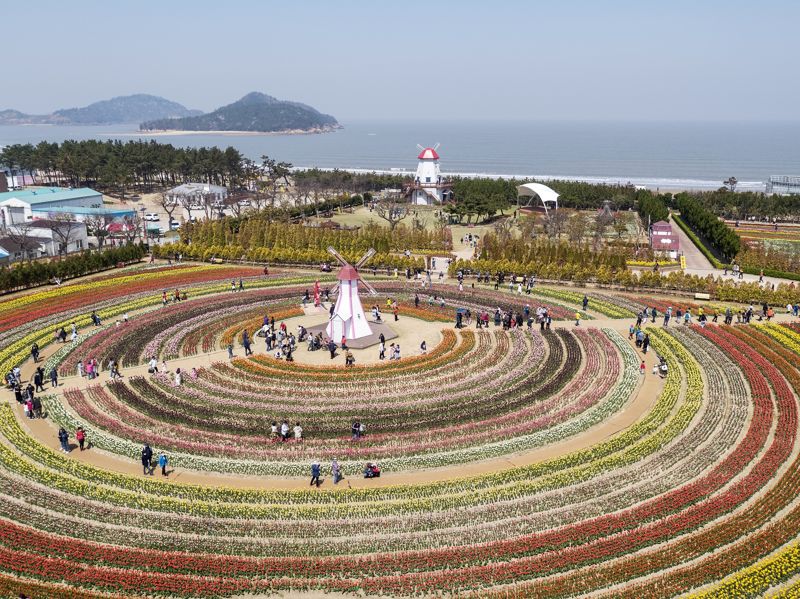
(174, 225)
(151, 216)
(244, 203)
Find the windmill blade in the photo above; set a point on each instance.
(370, 253)
(420, 147)
(370, 289)
(335, 289)
(436, 147)
(337, 255)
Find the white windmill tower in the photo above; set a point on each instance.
(348, 318)
(428, 185)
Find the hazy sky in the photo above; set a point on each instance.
(609, 60)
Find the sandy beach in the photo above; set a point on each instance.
(169, 132)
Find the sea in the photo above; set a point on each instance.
(657, 155)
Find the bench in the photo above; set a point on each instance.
(702, 296)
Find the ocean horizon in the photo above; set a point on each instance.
(657, 155)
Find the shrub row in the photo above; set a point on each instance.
(30, 274)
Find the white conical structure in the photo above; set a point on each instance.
(348, 318)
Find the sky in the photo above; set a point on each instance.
(415, 60)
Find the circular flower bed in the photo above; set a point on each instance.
(511, 462)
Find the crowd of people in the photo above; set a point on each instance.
(281, 344)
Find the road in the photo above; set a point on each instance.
(695, 260)
(698, 264)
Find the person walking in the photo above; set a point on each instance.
(381, 350)
(63, 438)
(585, 302)
(162, 462)
(53, 377)
(315, 472)
(80, 435)
(645, 343)
(230, 351)
(37, 407)
(147, 456)
(336, 471)
(577, 319)
(246, 343)
(642, 367)
(298, 432)
(38, 381)
(332, 348)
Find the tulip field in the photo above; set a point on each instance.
(514, 462)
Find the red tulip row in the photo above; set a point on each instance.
(161, 280)
(620, 529)
(764, 503)
(661, 530)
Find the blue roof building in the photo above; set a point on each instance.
(56, 197)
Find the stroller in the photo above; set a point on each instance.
(371, 470)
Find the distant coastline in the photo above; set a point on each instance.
(168, 132)
(661, 156)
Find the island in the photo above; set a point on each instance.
(122, 109)
(254, 113)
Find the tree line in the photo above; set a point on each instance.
(259, 231)
(722, 239)
(744, 204)
(30, 274)
(543, 251)
(123, 165)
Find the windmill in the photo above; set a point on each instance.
(348, 319)
(434, 148)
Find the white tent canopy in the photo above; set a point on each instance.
(545, 194)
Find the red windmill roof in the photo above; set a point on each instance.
(348, 273)
(429, 154)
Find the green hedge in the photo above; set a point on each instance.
(31, 274)
(769, 272)
(724, 240)
(696, 240)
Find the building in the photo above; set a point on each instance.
(15, 179)
(15, 248)
(83, 205)
(199, 192)
(59, 236)
(429, 187)
(23, 206)
(663, 239)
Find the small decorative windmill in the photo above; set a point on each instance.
(348, 318)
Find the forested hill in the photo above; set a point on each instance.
(254, 112)
(126, 109)
(122, 109)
